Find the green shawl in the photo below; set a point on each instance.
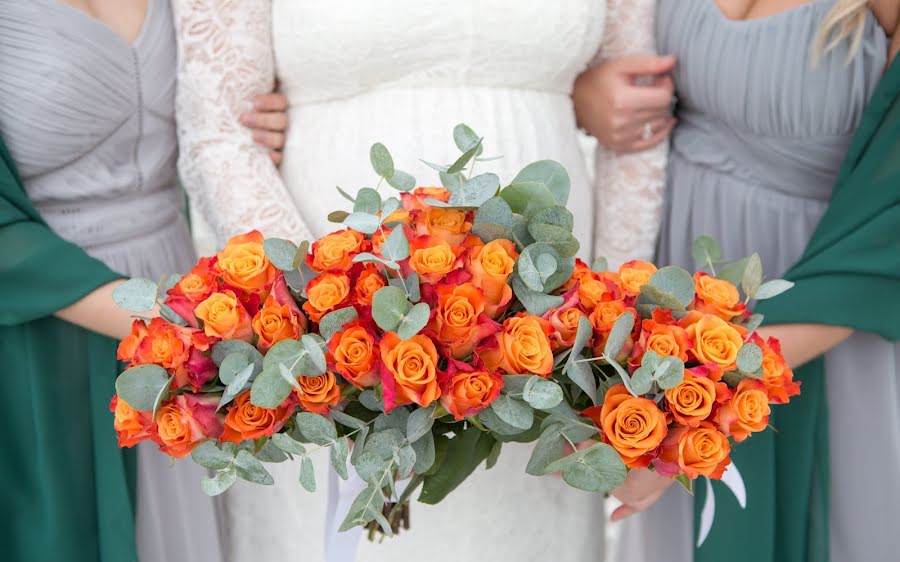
(849, 275)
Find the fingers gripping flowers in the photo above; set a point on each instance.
(434, 325)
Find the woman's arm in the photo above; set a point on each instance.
(630, 187)
(225, 59)
(801, 343)
(97, 312)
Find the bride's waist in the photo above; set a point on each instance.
(445, 94)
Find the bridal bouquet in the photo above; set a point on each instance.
(433, 326)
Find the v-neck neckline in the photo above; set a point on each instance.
(749, 21)
(98, 23)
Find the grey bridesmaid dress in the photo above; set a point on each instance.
(89, 120)
(760, 138)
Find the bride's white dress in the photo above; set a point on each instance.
(404, 72)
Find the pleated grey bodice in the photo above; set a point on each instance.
(89, 121)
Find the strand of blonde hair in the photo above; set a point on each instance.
(847, 19)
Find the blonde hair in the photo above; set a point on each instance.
(847, 19)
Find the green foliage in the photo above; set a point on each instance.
(334, 322)
(706, 252)
(317, 429)
(669, 372)
(463, 453)
(512, 411)
(237, 384)
(542, 393)
(753, 275)
(368, 201)
(381, 160)
(465, 138)
(394, 313)
(749, 358)
(209, 455)
(772, 288)
(676, 282)
(621, 329)
(419, 423)
(135, 295)
(143, 387)
(249, 468)
(396, 247)
(599, 468)
(220, 482)
(281, 253)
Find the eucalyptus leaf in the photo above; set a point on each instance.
(347, 420)
(220, 482)
(307, 474)
(490, 232)
(249, 468)
(676, 282)
(334, 322)
(772, 288)
(209, 455)
(368, 502)
(452, 182)
(514, 412)
(425, 453)
(368, 257)
(396, 247)
(401, 181)
(381, 160)
(419, 423)
(370, 466)
(583, 376)
(363, 222)
(338, 216)
(753, 322)
(556, 215)
(495, 211)
(135, 295)
(650, 360)
(558, 237)
(706, 251)
(226, 347)
(598, 468)
(406, 460)
(527, 198)
(536, 303)
(270, 453)
(600, 265)
(390, 205)
(621, 329)
(232, 365)
(287, 444)
(461, 456)
(542, 393)
(465, 138)
(270, 388)
(142, 386)
(548, 173)
(237, 385)
(494, 455)
(169, 315)
(492, 421)
(654, 297)
(414, 321)
(550, 446)
(642, 380)
(313, 363)
(280, 253)
(436, 167)
(669, 373)
(368, 399)
(318, 429)
(368, 201)
(749, 358)
(345, 195)
(733, 272)
(389, 307)
(475, 191)
(340, 450)
(385, 443)
(463, 160)
(753, 275)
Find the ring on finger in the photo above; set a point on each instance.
(647, 131)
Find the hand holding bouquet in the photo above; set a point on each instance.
(432, 327)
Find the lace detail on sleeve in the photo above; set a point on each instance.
(224, 59)
(630, 187)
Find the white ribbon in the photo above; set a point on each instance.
(734, 482)
(341, 547)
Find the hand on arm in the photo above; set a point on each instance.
(642, 489)
(268, 121)
(802, 342)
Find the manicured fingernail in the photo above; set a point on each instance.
(257, 136)
(246, 120)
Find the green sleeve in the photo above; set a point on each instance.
(40, 272)
(849, 274)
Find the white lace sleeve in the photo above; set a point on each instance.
(630, 187)
(224, 59)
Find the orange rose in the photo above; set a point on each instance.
(697, 451)
(491, 266)
(335, 251)
(401, 216)
(368, 283)
(243, 263)
(716, 341)
(602, 319)
(319, 394)
(634, 275)
(165, 344)
(692, 401)
(327, 292)
(522, 347)
(275, 322)
(717, 296)
(415, 200)
(450, 225)
(128, 346)
(664, 336)
(777, 376)
(747, 412)
(223, 316)
(246, 421)
(186, 422)
(565, 325)
(592, 290)
(131, 426)
(352, 352)
(635, 427)
(433, 258)
(409, 372)
(465, 393)
(458, 322)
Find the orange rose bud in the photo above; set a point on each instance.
(491, 266)
(131, 426)
(335, 251)
(166, 345)
(368, 283)
(747, 412)
(466, 393)
(692, 401)
(409, 371)
(635, 427)
(246, 421)
(522, 347)
(717, 296)
(458, 323)
(243, 263)
(634, 275)
(186, 422)
(664, 336)
(565, 325)
(319, 394)
(128, 346)
(415, 200)
(275, 322)
(327, 292)
(449, 225)
(777, 376)
(353, 354)
(716, 341)
(433, 258)
(224, 317)
(697, 451)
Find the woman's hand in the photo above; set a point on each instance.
(642, 489)
(268, 121)
(626, 103)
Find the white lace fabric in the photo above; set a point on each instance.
(224, 59)
(630, 187)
